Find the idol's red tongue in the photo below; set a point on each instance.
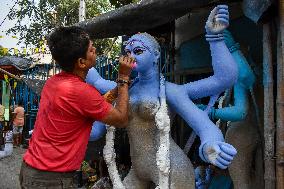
(133, 65)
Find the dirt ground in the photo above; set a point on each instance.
(10, 169)
(10, 166)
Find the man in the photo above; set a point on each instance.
(67, 109)
(18, 123)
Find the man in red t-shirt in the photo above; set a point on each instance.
(67, 109)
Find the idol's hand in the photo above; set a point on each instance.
(218, 20)
(125, 66)
(219, 154)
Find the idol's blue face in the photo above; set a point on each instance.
(142, 53)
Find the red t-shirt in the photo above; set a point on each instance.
(68, 107)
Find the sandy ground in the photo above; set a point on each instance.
(10, 169)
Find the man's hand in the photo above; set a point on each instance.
(220, 154)
(218, 20)
(118, 115)
(125, 66)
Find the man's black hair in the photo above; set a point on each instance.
(67, 44)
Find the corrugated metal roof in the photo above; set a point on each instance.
(19, 63)
(140, 16)
(148, 14)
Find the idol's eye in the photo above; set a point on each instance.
(138, 51)
(127, 51)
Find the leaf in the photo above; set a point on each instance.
(47, 14)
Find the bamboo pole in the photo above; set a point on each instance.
(9, 74)
(269, 125)
(280, 103)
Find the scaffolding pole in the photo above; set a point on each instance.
(280, 102)
(82, 10)
(269, 124)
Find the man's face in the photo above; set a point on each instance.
(91, 55)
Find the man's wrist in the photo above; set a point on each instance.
(123, 77)
(121, 82)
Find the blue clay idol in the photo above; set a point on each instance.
(145, 100)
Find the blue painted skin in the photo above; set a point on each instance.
(245, 82)
(98, 131)
(145, 50)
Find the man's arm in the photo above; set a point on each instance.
(118, 115)
(111, 95)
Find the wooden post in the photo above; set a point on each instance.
(269, 125)
(280, 102)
